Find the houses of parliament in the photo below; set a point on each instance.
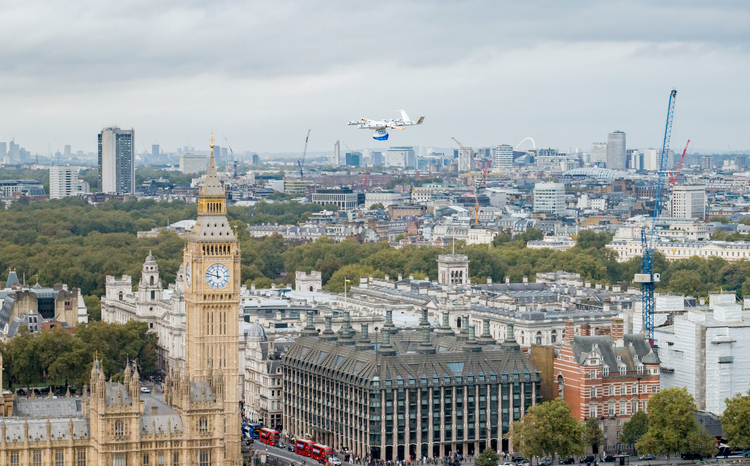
(197, 422)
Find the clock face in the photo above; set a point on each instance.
(217, 276)
(188, 275)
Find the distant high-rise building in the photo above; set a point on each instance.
(155, 151)
(217, 154)
(64, 182)
(336, 154)
(3, 150)
(256, 160)
(225, 152)
(549, 198)
(14, 152)
(707, 161)
(502, 157)
(689, 202)
(616, 152)
(464, 159)
(354, 159)
(400, 157)
(67, 151)
(376, 159)
(193, 163)
(117, 161)
(650, 160)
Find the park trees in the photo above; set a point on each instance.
(592, 434)
(736, 421)
(488, 457)
(672, 428)
(635, 428)
(548, 429)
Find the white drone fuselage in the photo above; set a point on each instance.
(381, 127)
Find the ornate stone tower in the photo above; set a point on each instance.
(212, 295)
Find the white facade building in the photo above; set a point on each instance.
(163, 310)
(385, 197)
(558, 243)
(549, 198)
(688, 202)
(193, 163)
(502, 157)
(598, 153)
(706, 352)
(64, 182)
(117, 161)
(400, 157)
(675, 250)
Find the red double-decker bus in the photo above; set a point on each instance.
(303, 447)
(269, 436)
(320, 452)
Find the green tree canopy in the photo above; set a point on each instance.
(548, 429)
(377, 206)
(736, 421)
(592, 434)
(672, 428)
(635, 428)
(488, 457)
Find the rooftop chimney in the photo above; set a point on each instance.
(425, 347)
(510, 343)
(328, 334)
(386, 349)
(570, 331)
(309, 330)
(472, 345)
(388, 327)
(346, 332)
(445, 329)
(585, 330)
(525, 279)
(618, 329)
(489, 280)
(486, 337)
(364, 339)
(507, 280)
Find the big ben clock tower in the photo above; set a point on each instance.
(212, 296)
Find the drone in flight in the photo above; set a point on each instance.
(381, 126)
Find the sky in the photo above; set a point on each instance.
(261, 73)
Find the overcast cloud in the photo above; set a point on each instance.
(487, 72)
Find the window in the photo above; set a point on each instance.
(59, 458)
(623, 370)
(161, 458)
(14, 458)
(145, 459)
(81, 458)
(560, 387)
(640, 369)
(204, 458)
(118, 460)
(553, 337)
(176, 459)
(634, 407)
(592, 411)
(593, 392)
(623, 408)
(611, 408)
(153, 293)
(202, 426)
(119, 295)
(605, 371)
(119, 430)
(36, 458)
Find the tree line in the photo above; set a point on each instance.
(669, 427)
(55, 357)
(69, 241)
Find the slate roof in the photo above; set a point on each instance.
(43, 407)
(634, 345)
(359, 366)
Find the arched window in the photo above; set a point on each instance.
(538, 338)
(119, 295)
(119, 429)
(560, 387)
(152, 279)
(458, 322)
(311, 288)
(203, 425)
(553, 336)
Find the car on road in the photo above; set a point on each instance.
(519, 459)
(145, 390)
(281, 445)
(691, 456)
(588, 459)
(333, 461)
(545, 463)
(609, 459)
(290, 447)
(570, 460)
(249, 441)
(506, 464)
(648, 457)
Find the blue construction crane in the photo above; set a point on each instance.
(301, 162)
(647, 278)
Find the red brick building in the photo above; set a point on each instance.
(606, 376)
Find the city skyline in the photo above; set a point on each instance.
(264, 74)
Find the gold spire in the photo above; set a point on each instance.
(212, 143)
